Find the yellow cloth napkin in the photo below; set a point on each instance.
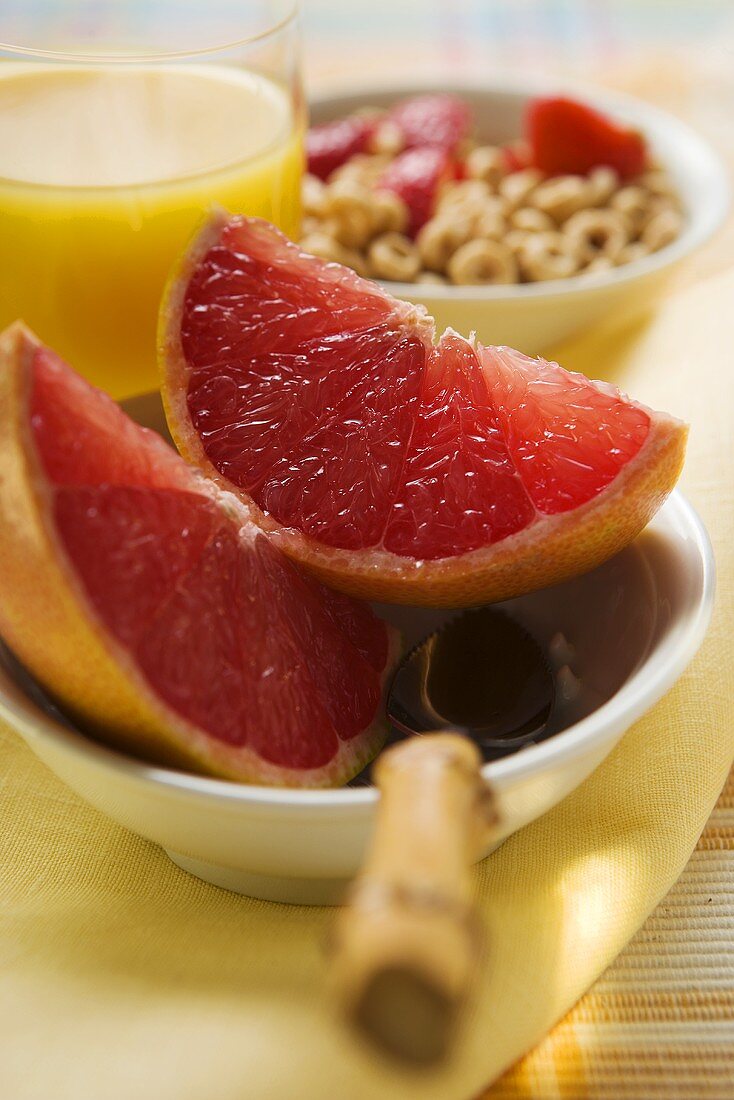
(121, 977)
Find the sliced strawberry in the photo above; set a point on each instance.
(416, 176)
(570, 137)
(332, 144)
(435, 119)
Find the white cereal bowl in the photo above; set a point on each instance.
(634, 625)
(534, 316)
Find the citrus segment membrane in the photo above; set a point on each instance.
(327, 403)
(243, 665)
(302, 352)
(568, 437)
(459, 489)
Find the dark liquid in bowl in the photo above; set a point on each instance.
(482, 673)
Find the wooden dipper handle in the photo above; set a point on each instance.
(407, 944)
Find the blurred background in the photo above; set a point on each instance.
(676, 53)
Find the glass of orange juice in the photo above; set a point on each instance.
(121, 123)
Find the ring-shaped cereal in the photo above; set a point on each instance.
(597, 233)
(393, 256)
(439, 239)
(562, 196)
(487, 163)
(548, 256)
(482, 263)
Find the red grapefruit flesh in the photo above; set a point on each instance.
(446, 474)
(155, 611)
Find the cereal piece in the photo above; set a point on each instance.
(395, 257)
(517, 188)
(479, 263)
(548, 256)
(348, 208)
(487, 163)
(465, 201)
(389, 213)
(661, 230)
(363, 168)
(310, 224)
(516, 239)
(635, 250)
(387, 138)
(599, 265)
(633, 203)
(328, 248)
(562, 196)
(496, 206)
(532, 220)
(660, 184)
(500, 204)
(322, 244)
(439, 239)
(313, 191)
(350, 226)
(656, 205)
(603, 182)
(358, 187)
(597, 232)
(489, 226)
(466, 193)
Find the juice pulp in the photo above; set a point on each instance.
(104, 173)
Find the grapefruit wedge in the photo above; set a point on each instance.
(392, 467)
(158, 615)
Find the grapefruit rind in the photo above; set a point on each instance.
(46, 619)
(552, 549)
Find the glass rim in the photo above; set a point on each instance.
(290, 9)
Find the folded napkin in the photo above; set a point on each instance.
(121, 976)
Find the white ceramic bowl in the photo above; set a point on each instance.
(634, 623)
(534, 316)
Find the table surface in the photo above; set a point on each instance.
(658, 1023)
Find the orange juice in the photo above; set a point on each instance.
(104, 173)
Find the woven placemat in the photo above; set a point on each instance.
(659, 1022)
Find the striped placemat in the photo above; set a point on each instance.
(659, 1024)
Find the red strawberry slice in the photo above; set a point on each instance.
(332, 144)
(416, 176)
(569, 137)
(435, 119)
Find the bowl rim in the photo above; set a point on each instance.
(659, 670)
(712, 197)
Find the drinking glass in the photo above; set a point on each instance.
(121, 123)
